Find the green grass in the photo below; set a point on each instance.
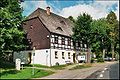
(23, 74)
(81, 66)
(56, 67)
(35, 65)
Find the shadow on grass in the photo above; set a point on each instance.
(9, 72)
(7, 65)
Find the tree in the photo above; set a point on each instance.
(113, 24)
(100, 39)
(71, 18)
(82, 32)
(11, 33)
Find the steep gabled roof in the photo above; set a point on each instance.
(55, 23)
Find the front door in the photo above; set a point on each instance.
(74, 57)
(29, 57)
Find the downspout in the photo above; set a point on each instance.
(50, 49)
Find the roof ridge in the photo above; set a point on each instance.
(50, 12)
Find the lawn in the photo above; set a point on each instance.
(7, 71)
(56, 67)
(81, 66)
(36, 65)
(23, 74)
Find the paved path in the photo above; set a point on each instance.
(79, 73)
(112, 72)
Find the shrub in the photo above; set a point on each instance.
(92, 60)
(100, 60)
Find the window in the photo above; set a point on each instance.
(56, 55)
(62, 22)
(63, 57)
(31, 27)
(69, 55)
(78, 44)
(81, 45)
(74, 43)
(85, 45)
(63, 40)
(69, 42)
(56, 39)
(29, 40)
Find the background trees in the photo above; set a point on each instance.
(11, 33)
(100, 39)
(112, 30)
(100, 34)
(82, 32)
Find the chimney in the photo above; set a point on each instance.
(48, 10)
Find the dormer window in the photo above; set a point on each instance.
(62, 22)
(59, 28)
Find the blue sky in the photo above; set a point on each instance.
(65, 8)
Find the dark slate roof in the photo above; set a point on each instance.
(54, 23)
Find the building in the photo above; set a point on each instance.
(50, 34)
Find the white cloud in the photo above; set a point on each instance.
(30, 6)
(41, 4)
(117, 12)
(97, 9)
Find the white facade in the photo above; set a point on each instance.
(59, 58)
(58, 53)
(46, 56)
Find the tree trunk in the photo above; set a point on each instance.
(88, 56)
(112, 46)
(103, 54)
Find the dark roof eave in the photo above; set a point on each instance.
(61, 34)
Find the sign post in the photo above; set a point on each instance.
(18, 61)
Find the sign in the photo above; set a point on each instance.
(17, 63)
(82, 57)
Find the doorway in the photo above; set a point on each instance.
(74, 57)
(29, 57)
